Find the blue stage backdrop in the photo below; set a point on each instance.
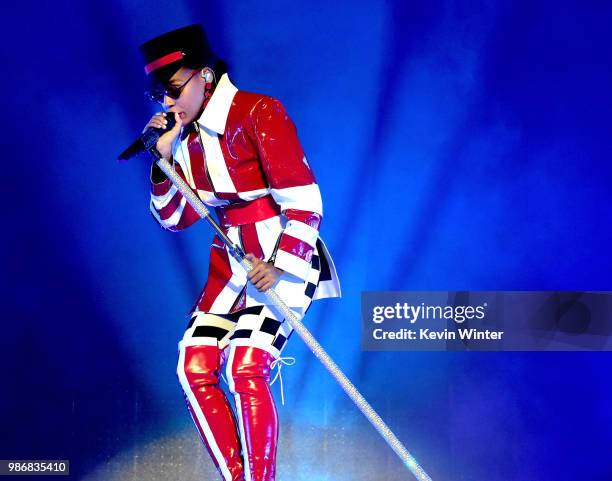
(458, 145)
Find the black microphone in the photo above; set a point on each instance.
(147, 140)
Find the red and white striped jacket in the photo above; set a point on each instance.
(243, 158)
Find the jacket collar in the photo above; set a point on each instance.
(214, 116)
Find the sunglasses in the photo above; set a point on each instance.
(158, 94)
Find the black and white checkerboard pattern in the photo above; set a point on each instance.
(261, 326)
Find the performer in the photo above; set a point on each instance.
(240, 153)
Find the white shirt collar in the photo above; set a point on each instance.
(215, 114)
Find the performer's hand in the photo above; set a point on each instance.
(164, 144)
(264, 274)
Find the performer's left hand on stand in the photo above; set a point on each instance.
(264, 274)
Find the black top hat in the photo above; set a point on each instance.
(183, 47)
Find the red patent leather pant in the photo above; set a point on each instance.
(242, 447)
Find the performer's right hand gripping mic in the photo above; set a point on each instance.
(147, 140)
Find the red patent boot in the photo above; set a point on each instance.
(198, 372)
(248, 372)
